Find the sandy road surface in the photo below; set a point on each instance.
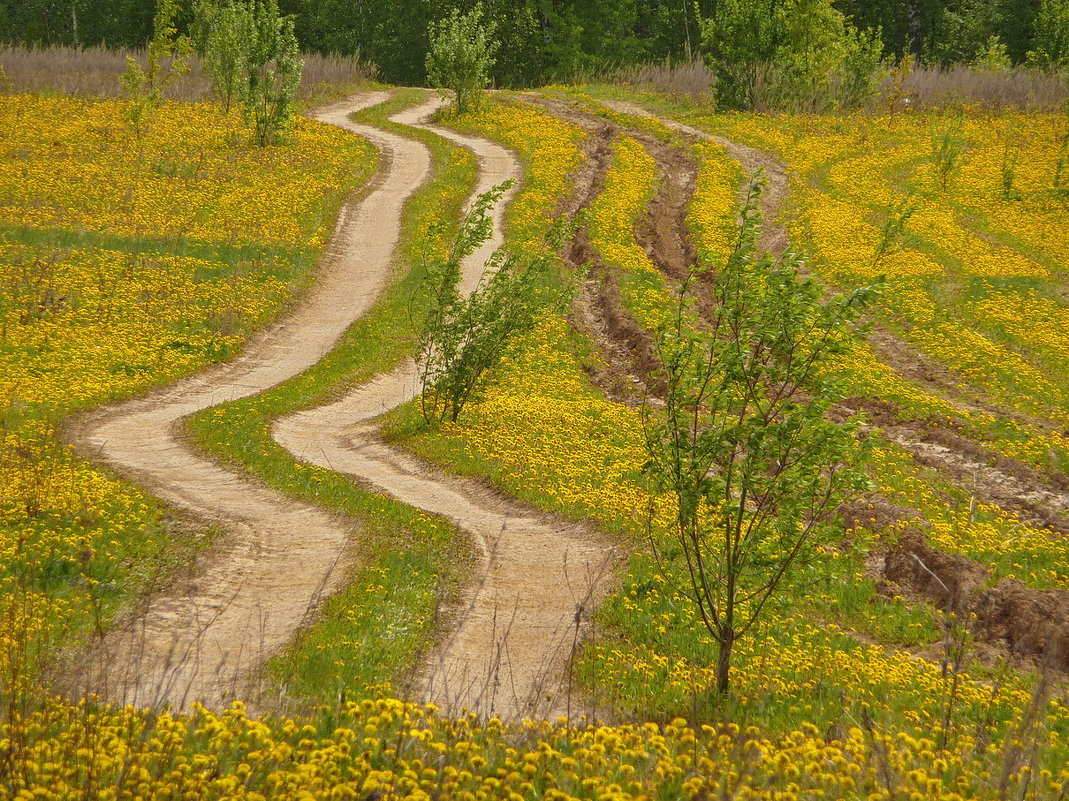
(204, 639)
(539, 579)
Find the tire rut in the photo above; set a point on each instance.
(206, 638)
(1028, 624)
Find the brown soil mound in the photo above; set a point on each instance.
(1026, 623)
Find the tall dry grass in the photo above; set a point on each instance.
(1018, 88)
(94, 72)
(690, 79)
(926, 87)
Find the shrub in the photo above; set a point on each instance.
(461, 55)
(271, 72)
(221, 35)
(743, 446)
(146, 85)
(462, 339)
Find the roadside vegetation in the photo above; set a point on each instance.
(836, 472)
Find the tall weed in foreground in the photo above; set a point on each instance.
(895, 230)
(146, 85)
(948, 149)
(1011, 156)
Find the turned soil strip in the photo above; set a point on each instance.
(205, 639)
(540, 577)
(1026, 623)
(774, 235)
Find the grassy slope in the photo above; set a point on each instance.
(651, 663)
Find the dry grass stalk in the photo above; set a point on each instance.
(94, 72)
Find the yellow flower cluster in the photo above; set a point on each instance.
(546, 427)
(966, 277)
(1028, 317)
(75, 164)
(549, 148)
(87, 324)
(391, 750)
(629, 185)
(983, 531)
(714, 207)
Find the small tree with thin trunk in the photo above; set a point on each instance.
(742, 447)
(461, 55)
(164, 64)
(271, 72)
(222, 30)
(463, 338)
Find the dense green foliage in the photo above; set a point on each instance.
(544, 39)
(461, 54)
(251, 54)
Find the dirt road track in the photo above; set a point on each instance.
(540, 578)
(204, 639)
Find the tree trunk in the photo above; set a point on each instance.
(913, 24)
(723, 664)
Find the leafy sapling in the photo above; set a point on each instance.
(461, 55)
(165, 64)
(742, 446)
(464, 338)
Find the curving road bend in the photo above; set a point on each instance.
(205, 639)
(509, 651)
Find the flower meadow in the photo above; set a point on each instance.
(388, 749)
(840, 694)
(834, 654)
(125, 263)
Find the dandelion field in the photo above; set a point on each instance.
(125, 264)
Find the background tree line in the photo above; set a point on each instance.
(542, 40)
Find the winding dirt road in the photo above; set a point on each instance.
(205, 639)
(539, 579)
